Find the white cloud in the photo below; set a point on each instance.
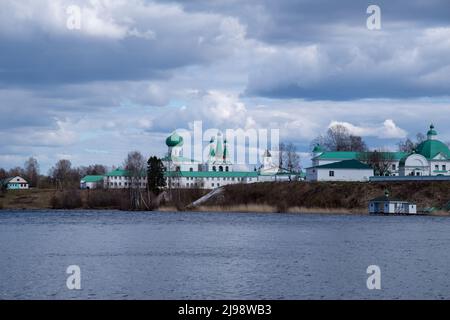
(387, 130)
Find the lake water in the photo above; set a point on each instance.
(221, 255)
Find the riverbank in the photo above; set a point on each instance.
(326, 197)
(270, 197)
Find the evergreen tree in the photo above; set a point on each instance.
(155, 175)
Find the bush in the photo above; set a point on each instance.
(104, 199)
(68, 199)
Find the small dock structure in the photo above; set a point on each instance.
(390, 206)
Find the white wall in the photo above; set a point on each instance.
(321, 174)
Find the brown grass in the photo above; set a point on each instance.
(258, 208)
(238, 208)
(28, 199)
(352, 197)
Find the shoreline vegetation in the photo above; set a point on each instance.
(270, 197)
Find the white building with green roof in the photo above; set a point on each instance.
(218, 170)
(346, 170)
(430, 158)
(183, 172)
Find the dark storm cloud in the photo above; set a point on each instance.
(312, 20)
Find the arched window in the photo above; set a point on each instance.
(214, 168)
(227, 169)
(221, 169)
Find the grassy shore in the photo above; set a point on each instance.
(293, 197)
(26, 199)
(326, 197)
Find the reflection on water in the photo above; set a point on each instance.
(221, 256)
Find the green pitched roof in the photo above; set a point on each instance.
(353, 155)
(179, 159)
(431, 148)
(213, 174)
(346, 164)
(92, 178)
(337, 155)
(122, 173)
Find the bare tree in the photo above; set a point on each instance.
(32, 171)
(3, 174)
(62, 173)
(93, 170)
(409, 145)
(338, 138)
(291, 158)
(135, 165)
(357, 143)
(17, 171)
(379, 160)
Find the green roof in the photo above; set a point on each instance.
(174, 140)
(346, 164)
(122, 173)
(432, 132)
(353, 155)
(317, 148)
(92, 178)
(179, 159)
(213, 174)
(431, 148)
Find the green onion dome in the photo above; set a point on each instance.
(432, 132)
(174, 140)
(317, 148)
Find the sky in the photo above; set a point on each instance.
(133, 71)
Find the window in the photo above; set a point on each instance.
(221, 169)
(191, 169)
(214, 168)
(331, 173)
(212, 184)
(394, 167)
(436, 167)
(444, 167)
(227, 169)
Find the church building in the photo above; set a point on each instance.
(430, 158)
